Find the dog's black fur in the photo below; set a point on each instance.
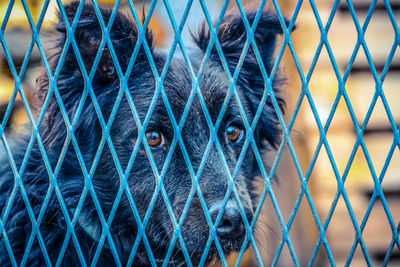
(141, 181)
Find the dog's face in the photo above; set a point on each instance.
(170, 157)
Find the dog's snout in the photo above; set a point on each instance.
(231, 225)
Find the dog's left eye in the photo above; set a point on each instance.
(234, 133)
(154, 138)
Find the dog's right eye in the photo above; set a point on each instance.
(233, 133)
(154, 138)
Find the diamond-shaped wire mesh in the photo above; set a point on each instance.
(105, 239)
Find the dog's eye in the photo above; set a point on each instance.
(154, 138)
(233, 133)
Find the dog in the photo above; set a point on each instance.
(87, 178)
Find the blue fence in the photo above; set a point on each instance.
(177, 128)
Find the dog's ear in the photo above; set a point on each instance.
(71, 82)
(232, 36)
(88, 36)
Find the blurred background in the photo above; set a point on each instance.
(323, 86)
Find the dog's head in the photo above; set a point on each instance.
(180, 153)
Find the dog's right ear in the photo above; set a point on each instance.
(71, 81)
(88, 36)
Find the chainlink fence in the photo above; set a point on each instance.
(249, 144)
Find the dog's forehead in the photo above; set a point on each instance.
(179, 83)
(180, 80)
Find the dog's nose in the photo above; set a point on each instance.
(231, 225)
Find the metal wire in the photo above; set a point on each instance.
(177, 128)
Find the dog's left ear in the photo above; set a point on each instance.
(232, 36)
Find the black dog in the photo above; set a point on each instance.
(75, 200)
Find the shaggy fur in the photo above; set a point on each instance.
(124, 133)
